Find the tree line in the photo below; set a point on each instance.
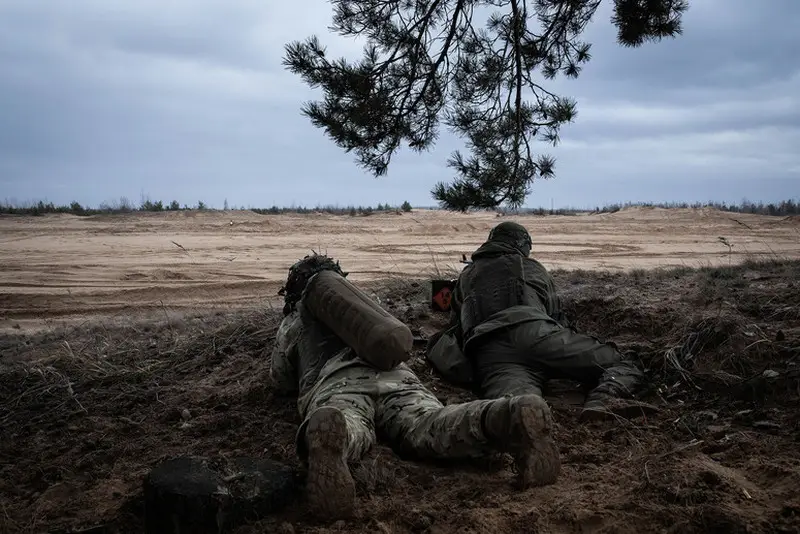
(353, 211)
(125, 206)
(778, 209)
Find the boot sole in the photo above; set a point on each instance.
(538, 462)
(330, 489)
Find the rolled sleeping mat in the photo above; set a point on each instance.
(373, 333)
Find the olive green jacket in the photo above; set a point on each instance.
(539, 301)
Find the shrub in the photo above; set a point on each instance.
(76, 208)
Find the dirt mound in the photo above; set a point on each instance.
(441, 229)
(166, 274)
(156, 275)
(639, 209)
(653, 213)
(86, 413)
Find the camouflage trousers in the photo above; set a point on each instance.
(519, 360)
(396, 406)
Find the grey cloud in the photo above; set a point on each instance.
(188, 100)
(726, 43)
(719, 105)
(775, 104)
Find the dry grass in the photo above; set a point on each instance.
(85, 413)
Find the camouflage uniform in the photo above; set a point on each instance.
(507, 320)
(343, 401)
(395, 403)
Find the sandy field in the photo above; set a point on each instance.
(67, 269)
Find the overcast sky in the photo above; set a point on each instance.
(188, 100)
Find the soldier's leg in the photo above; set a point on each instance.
(339, 428)
(499, 379)
(418, 425)
(330, 489)
(564, 353)
(501, 372)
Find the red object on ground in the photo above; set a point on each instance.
(442, 294)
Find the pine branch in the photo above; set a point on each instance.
(425, 62)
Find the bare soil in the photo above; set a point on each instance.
(86, 410)
(61, 269)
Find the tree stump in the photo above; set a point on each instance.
(199, 495)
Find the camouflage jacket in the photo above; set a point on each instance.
(305, 353)
(537, 300)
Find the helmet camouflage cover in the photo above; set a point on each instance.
(513, 234)
(299, 275)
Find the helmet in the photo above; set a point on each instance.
(299, 275)
(513, 234)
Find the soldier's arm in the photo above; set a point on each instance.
(283, 366)
(558, 311)
(540, 277)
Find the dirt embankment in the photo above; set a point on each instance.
(86, 412)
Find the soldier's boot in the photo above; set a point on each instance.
(330, 488)
(604, 407)
(523, 426)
